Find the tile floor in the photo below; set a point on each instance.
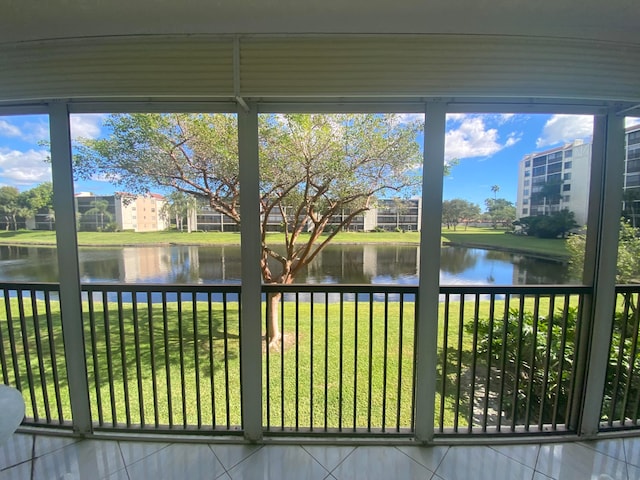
(26, 456)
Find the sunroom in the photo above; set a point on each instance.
(379, 366)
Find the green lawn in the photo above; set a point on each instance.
(498, 239)
(479, 237)
(322, 373)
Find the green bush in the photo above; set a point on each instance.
(526, 345)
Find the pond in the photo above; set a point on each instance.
(368, 264)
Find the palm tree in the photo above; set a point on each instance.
(495, 189)
(100, 209)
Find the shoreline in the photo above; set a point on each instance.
(445, 243)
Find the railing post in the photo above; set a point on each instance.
(68, 267)
(429, 270)
(607, 176)
(250, 304)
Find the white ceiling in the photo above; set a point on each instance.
(608, 20)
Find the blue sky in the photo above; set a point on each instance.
(487, 147)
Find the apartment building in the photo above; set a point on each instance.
(558, 178)
(122, 211)
(555, 180)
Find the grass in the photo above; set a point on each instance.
(498, 239)
(177, 372)
(478, 237)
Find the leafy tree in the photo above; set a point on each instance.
(471, 213)
(458, 210)
(39, 199)
(313, 167)
(10, 207)
(180, 206)
(628, 261)
(550, 226)
(500, 211)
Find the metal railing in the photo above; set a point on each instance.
(621, 399)
(506, 358)
(345, 362)
(167, 358)
(32, 351)
(164, 357)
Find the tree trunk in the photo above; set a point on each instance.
(273, 325)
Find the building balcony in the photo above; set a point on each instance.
(163, 390)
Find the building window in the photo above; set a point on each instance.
(567, 165)
(568, 154)
(525, 211)
(566, 198)
(527, 164)
(539, 161)
(525, 201)
(566, 187)
(537, 171)
(526, 192)
(526, 183)
(554, 167)
(527, 173)
(567, 176)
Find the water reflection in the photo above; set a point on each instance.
(369, 264)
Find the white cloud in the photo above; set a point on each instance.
(631, 121)
(410, 117)
(565, 128)
(9, 130)
(86, 125)
(24, 168)
(473, 139)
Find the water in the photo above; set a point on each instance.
(368, 264)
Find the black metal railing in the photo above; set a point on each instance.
(32, 351)
(345, 363)
(167, 357)
(506, 358)
(163, 356)
(621, 399)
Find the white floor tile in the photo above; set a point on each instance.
(481, 463)
(372, 463)
(16, 449)
(572, 461)
(281, 462)
(19, 472)
(178, 461)
(429, 457)
(329, 456)
(525, 454)
(87, 459)
(613, 447)
(231, 455)
(632, 450)
(134, 451)
(47, 444)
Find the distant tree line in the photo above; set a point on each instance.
(16, 207)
